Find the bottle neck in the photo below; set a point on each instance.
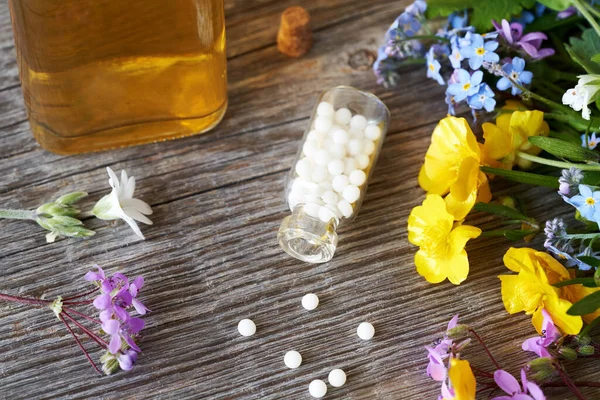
(307, 237)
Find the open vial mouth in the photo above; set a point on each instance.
(306, 238)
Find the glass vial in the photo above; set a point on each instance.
(328, 181)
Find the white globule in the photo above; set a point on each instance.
(365, 331)
(372, 132)
(335, 167)
(340, 182)
(317, 388)
(325, 109)
(343, 116)
(357, 177)
(337, 378)
(358, 122)
(246, 327)
(351, 193)
(292, 359)
(334, 164)
(362, 161)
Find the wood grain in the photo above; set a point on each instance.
(211, 258)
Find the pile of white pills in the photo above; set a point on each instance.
(331, 174)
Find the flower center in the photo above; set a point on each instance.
(590, 201)
(514, 75)
(592, 143)
(480, 51)
(431, 67)
(466, 86)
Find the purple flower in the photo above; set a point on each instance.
(122, 331)
(436, 369)
(467, 84)
(483, 99)
(433, 68)
(478, 51)
(127, 360)
(508, 383)
(569, 181)
(566, 13)
(530, 43)
(550, 334)
(134, 289)
(517, 74)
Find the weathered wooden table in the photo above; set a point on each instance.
(211, 258)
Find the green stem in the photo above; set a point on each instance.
(418, 37)
(592, 9)
(558, 164)
(586, 14)
(574, 121)
(17, 214)
(581, 236)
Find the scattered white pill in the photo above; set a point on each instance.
(246, 327)
(368, 147)
(317, 388)
(340, 136)
(330, 197)
(357, 177)
(340, 182)
(312, 209)
(335, 167)
(322, 157)
(292, 359)
(310, 147)
(355, 146)
(358, 122)
(345, 208)
(323, 124)
(337, 378)
(304, 168)
(362, 161)
(326, 214)
(310, 301)
(325, 109)
(343, 116)
(372, 132)
(349, 165)
(319, 173)
(351, 193)
(365, 331)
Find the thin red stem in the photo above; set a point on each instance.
(80, 345)
(73, 311)
(567, 380)
(482, 372)
(25, 300)
(78, 303)
(81, 295)
(91, 334)
(480, 340)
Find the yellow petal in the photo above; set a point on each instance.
(424, 180)
(574, 293)
(458, 268)
(522, 292)
(557, 308)
(466, 179)
(429, 268)
(429, 222)
(484, 194)
(463, 380)
(554, 270)
(517, 259)
(460, 209)
(461, 235)
(498, 143)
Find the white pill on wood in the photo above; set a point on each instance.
(365, 331)
(337, 378)
(317, 388)
(246, 327)
(292, 359)
(310, 301)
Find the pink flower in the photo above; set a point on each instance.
(530, 43)
(550, 334)
(436, 369)
(510, 385)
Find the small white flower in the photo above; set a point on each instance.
(120, 204)
(585, 92)
(590, 142)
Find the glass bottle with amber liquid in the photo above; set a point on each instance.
(100, 74)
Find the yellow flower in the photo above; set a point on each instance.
(462, 379)
(531, 289)
(510, 135)
(442, 242)
(574, 293)
(452, 166)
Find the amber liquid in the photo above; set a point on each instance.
(100, 74)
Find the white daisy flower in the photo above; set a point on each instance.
(585, 92)
(120, 204)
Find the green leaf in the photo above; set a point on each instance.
(484, 11)
(587, 282)
(596, 58)
(548, 21)
(589, 260)
(515, 235)
(562, 149)
(587, 305)
(443, 8)
(524, 177)
(499, 209)
(556, 5)
(581, 50)
(567, 137)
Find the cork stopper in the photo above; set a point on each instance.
(295, 36)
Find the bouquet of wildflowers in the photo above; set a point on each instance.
(527, 75)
